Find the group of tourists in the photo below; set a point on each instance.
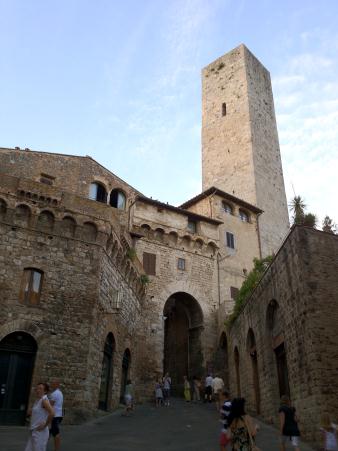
(239, 430)
(45, 417)
(162, 391)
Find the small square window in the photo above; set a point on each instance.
(47, 179)
(192, 226)
(181, 264)
(230, 240)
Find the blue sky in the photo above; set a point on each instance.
(120, 81)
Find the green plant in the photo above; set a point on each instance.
(131, 253)
(144, 279)
(250, 283)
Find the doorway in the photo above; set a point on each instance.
(106, 372)
(125, 373)
(182, 338)
(17, 356)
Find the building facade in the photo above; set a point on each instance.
(100, 283)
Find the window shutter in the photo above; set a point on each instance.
(149, 263)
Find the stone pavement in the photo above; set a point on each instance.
(181, 427)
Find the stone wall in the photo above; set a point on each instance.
(294, 307)
(90, 287)
(70, 173)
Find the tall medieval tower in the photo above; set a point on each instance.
(240, 148)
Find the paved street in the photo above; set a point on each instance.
(181, 427)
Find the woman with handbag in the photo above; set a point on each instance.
(242, 428)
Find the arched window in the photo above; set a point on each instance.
(46, 221)
(98, 192)
(3, 208)
(243, 216)
(117, 199)
(227, 208)
(31, 285)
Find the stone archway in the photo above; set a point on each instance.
(126, 360)
(106, 372)
(182, 337)
(17, 356)
(222, 359)
(252, 350)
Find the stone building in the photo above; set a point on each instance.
(100, 283)
(285, 339)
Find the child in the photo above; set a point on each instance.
(329, 433)
(224, 414)
(158, 394)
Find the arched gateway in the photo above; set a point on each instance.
(182, 337)
(17, 355)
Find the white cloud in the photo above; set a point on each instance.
(306, 94)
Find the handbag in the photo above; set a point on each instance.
(252, 443)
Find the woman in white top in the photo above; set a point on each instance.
(329, 433)
(41, 418)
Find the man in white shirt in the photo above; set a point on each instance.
(217, 388)
(56, 400)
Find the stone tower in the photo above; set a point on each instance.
(240, 148)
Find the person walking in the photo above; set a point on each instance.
(217, 388)
(329, 433)
(186, 386)
(158, 394)
(208, 388)
(196, 384)
(56, 401)
(288, 424)
(42, 414)
(241, 426)
(166, 389)
(129, 398)
(224, 416)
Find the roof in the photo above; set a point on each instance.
(227, 196)
(190, 214)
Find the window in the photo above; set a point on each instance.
(47, 179)
(224, 109)
(31, 286)
(181, 264)
(192, 226)
(117, 199)
(98, 192)
(233, 292)
(230, 240)
(227, 208)
(243, 216)
(149, 263)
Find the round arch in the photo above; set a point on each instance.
(222, 359)
(183, 327)
(106, 372)
(126, 362)
(252, 350)
(17, 356)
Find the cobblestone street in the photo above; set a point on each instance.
(181, 427)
